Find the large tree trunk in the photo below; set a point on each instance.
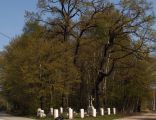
(41, 102)
(97, 84)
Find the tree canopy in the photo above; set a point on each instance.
(73, 49)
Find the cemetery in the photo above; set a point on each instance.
(72, 115)
(69, 113)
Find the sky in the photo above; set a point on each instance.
(12, 18)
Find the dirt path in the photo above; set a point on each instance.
(4, 116)
(143, 116)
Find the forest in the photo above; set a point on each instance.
(73, 49)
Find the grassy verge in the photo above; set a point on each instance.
(106, 117)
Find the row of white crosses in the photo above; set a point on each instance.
(102, 112)
(55, 112)
(52, 111)
(82, 113)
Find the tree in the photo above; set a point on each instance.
(131, 20)
(86, 48)
(48, 77)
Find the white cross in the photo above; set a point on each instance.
(91, 101)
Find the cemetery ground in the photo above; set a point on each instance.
(141, 116)
(106, 117)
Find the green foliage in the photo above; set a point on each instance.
(33, 70)
(101, 51)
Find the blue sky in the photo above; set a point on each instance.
(12, 17)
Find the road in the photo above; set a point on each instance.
(143, 116)
(4, 116)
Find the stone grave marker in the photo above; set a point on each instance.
(40, 113)
(91, 107)
(114, 111)
(82, 113)
(61, 110)
(70, 113)
(94, 112)
(56, 113)
(108, 111)
(101, 111)
(51, 111)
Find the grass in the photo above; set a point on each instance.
(106, 117)
(99, 118)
